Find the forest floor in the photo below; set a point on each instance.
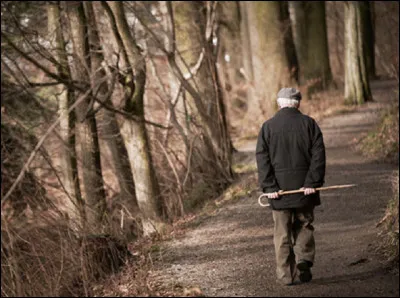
(230, 252)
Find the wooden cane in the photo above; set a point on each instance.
(287, 192)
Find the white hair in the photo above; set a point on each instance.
(288, 103)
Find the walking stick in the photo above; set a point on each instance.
(287, 192)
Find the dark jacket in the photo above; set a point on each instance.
(290, 154)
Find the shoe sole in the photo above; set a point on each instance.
(305, 273)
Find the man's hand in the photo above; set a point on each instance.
(308, 190)
(274, 195)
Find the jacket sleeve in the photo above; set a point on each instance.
(316, 173)
(266, 176)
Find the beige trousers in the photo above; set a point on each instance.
(293, 240)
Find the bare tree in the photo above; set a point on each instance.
(357, 90)
(247, 52)
(230, 55)
(194, 32)
(271, 67)
(196, 108)
(369, 37)
(67, 123)
(311, 41)
(107, 120)
(134, 132)
(86, 127)
(291, 53)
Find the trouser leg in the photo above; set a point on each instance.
(285, 259)
(303, 234)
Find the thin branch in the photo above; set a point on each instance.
(189, 159)
(39, 144)
(158, 42)
(172, 59)
(57, 176)
(42, 67)
(80, 88)
(114, 28)
(16, 66)
(129, 115)
(171, 20)
(41, 49)
(171, 164)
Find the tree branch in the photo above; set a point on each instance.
(38, 146)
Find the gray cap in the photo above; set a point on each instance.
(291, 93)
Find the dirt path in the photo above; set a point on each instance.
(232, 254)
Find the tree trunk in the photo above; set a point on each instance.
(208, 108)
(269, 59)
(357, 89)
(291, 54)
(247, 54)
(109, 125)
(134, 132)
(231, 60)
(230, 51)
(75, 205)
(369, 37)
(86, 123)
(310, 35)
(230, 40)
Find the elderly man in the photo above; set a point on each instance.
(290, 155)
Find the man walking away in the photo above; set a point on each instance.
(290, 155)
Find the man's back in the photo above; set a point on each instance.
(294, 145)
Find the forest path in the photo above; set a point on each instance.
(232, 252)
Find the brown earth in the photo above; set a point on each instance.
(232, 253)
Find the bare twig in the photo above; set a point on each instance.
(171, 20)
(39, 144)
(48, 72)
(189, 160)
(171, 165)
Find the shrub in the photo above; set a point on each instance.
(383, 143)
(390, 226)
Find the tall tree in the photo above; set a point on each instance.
(269, 51)
(86, 127)
(247, 53)
(289, 45)
(108, 123)
(357, 90)
(194, 42)
(310, 36)
(230, 48)
(134, 131)
(369, 37)
(75, 206)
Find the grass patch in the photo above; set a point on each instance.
(383, 143)
(242, 168)
(389, 226)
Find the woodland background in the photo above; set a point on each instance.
(119, 119)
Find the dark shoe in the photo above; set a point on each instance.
(305, 272)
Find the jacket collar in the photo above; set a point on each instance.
(288, 111)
